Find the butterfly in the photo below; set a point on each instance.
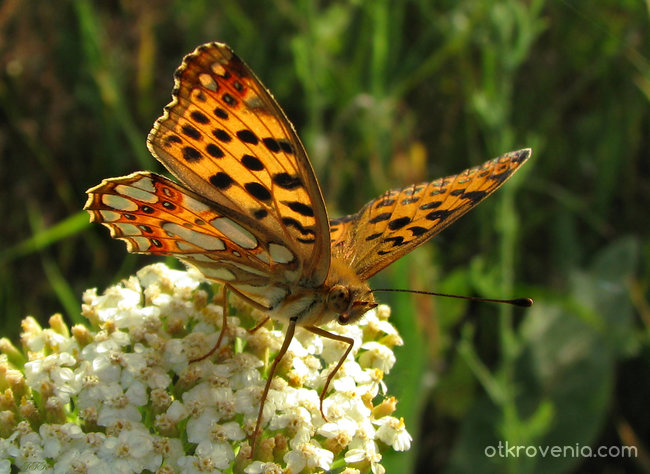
(249, 212)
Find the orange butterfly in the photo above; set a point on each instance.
(250, 214)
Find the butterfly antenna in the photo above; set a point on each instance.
(523, 302)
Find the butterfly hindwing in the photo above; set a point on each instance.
(157, 216)
(225, 138)
(395, 223)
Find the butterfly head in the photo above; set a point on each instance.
(349, 303)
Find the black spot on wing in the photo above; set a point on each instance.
(221, 180)
(214, 150)
(252, 163)
(286, 146)
(258, 191)
(260, 213)
(171, 138)
(374, 236)
(501, 177)
(190, 131)
(219, 112)
(271, 144)
(417, 231)
(199, 117)
(228, 99)
(398, 223)
(475, 196)
(286, 181)
(221, 135)
(397, 240)
(248, 137)
(291, 222)
(441, 214)
(191, 154)
(380, 217)
(430, 205)
(300, 208)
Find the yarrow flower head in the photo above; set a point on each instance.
(130, 392)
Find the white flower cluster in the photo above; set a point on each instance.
(124, 397)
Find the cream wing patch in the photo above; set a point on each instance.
(280, 254)
(235, 232)
(119, 203)
(204, 241)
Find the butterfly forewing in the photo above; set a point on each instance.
(224, 136)
(395, 223)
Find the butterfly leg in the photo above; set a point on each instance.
(224, 299)
(337, 337)
(224, 324)
(259, 325)
(285, 345)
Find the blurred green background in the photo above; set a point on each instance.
(385, 94)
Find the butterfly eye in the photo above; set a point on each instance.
(344, 319)
(338, 299)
